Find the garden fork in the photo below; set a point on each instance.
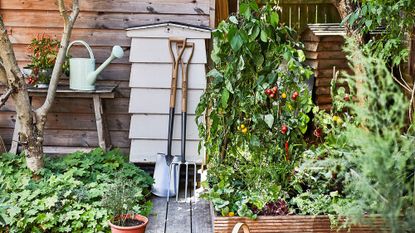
(177, 165)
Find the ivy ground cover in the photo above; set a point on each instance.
(67, 195)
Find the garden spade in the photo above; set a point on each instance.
(176, 165)
(163, 186)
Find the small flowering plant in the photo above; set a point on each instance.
(44, 50)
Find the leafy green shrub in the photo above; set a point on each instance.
(368, 162)
(68, 195)
(257, 103)
(381, 148)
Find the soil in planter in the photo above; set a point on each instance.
(129, 223)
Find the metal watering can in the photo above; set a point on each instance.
(82, 70)
(162, 186)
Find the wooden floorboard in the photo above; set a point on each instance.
(178, 217)
(158, 216)
(201, 218)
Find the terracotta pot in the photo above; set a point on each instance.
(133, 229)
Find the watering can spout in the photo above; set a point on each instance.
(117, 52)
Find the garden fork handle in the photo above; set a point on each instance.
(185, 66)
(173, 91)
(175, 61)
(185, 69)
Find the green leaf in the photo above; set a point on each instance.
(301, 56)
(304, 119)
(353, 17)
(368, 23)
(255, 32)
(269, 119)
(225, 98)
(228, 85)
(233, 19)
(264, 36)
(236, 42)
(243, 7)
(241, 63)
(259, 59)
(274, 18)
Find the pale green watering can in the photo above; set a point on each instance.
(82, 70)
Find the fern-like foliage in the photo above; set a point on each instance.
(380, 149)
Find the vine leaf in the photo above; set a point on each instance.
(269, 119)
(274, 19)
(233, 19)
(228, 85)
(225, 98)
(236, 42)
(264, 36)
(255, 32)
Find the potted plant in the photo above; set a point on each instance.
(43, 56)
(120, 201)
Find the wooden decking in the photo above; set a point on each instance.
(179, 217)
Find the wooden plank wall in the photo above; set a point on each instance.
(323, 49)
(101, 23)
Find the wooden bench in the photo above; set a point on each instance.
(101, 92)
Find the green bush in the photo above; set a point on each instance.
(67, 195)
(366, 165)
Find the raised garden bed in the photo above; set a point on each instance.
(287, 224)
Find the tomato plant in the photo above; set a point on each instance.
(257, 64)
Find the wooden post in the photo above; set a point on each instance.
(2, 146)
(99, 121)
(15, 138)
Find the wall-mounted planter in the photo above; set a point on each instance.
(288, 224)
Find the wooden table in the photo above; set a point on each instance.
(101, 92)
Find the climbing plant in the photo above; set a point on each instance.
(390, 25)
(257, 102)
(394, 20)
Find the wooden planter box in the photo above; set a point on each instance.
(287, 224)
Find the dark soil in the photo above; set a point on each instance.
(129, 222)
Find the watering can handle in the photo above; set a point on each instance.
(91, 54)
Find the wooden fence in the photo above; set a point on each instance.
(298, 13)
(102, 24)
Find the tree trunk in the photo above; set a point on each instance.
(32, 122)
(345, 8)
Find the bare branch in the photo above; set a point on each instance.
(6, 95)
(63, 11)
(403, 84)
(8, 59)
(412, 103)
(69, 22)
(75, 9)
